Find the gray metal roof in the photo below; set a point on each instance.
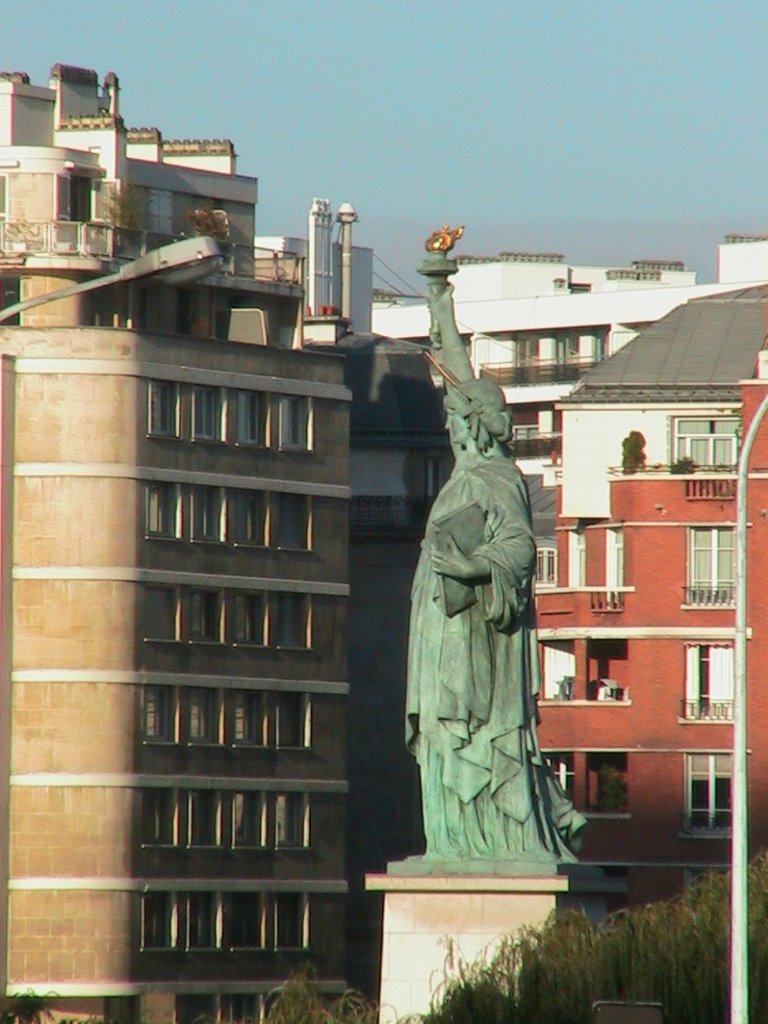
(701, 348)
(394, 401)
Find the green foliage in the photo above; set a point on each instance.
(675, 953)
(633, 452)
(684, 465)
(125, 207)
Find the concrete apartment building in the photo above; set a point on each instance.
(637, 626)
(173, 573)
(536, 324)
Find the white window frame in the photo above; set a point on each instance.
(688, 444)
(707, 767)
(546, 565)
(709, 681)
(562, 765)
(719, 574)
(614, 558)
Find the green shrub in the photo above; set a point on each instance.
(675, 953)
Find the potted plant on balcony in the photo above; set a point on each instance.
(683, 465)
(633, 452)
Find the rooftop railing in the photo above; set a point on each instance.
(103, 241)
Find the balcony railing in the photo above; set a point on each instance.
(710, 488)
(537, 373)
(373, 513)
(711, 823)
(603, 601)
(537, 446)
(705, 710)
(709, 597)
(102, 241)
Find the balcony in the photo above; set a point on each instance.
(606, 601)
(709, 597)
(703, 709)
(537, 373)
(104, 242)
(537, 446)
(376, 514)
(711, 488)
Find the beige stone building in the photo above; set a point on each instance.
(173, 581)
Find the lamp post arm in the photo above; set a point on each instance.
(60, 293)
(739, 795)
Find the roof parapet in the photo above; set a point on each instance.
(70, 73)
(17, 77)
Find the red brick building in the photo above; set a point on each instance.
(637, 623)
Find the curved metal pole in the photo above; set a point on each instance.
(739, 794)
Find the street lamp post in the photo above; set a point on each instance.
(739, 798)
(177, 263)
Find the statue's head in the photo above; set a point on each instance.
(480, 403)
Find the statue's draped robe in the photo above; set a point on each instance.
(472, 684)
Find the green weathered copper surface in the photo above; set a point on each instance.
(488, 795)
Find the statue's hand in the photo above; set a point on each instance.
(449, 561)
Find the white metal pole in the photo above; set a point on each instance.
(739, 793)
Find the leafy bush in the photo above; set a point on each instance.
(675, 953)
(633, 452)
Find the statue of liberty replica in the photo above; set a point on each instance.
(488, 794)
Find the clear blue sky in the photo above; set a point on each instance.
(605, 130)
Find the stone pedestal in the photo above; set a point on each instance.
(432, 922)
